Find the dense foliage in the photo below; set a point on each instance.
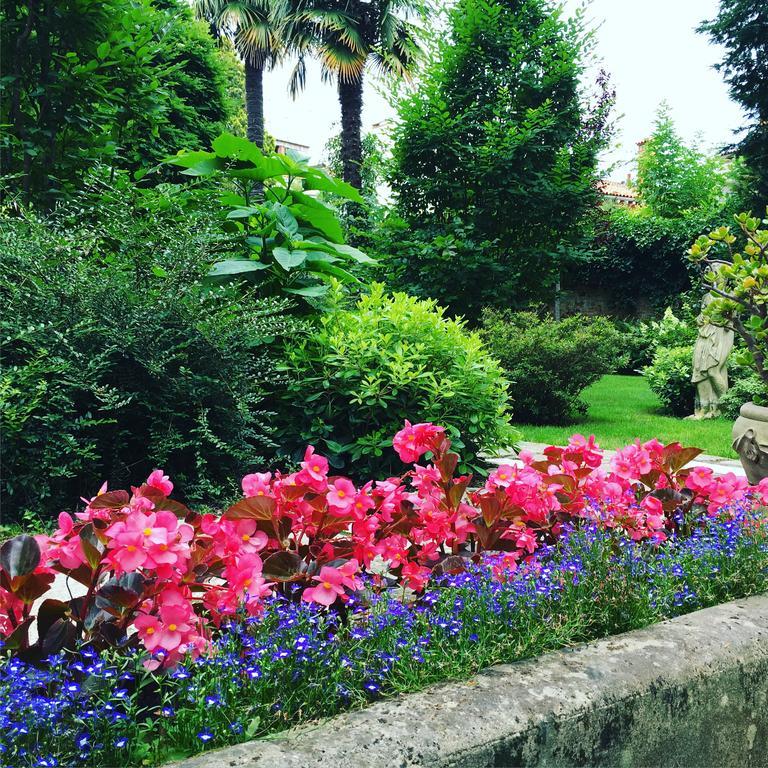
(735, 269)
(745, 388)
(284, 238)
(498, 124)
(369, 365)
(669, 376)
(673, 178)
(741, 28)
(120, 81)
(116, 357)
(639, 253)
(548, 362)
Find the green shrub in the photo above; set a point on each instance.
(368, 367)
(116, 361)
(640, 340)
(637, 344)
(550, 362)
(669, 376)
(743, 389)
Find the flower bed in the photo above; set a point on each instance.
(297, 603)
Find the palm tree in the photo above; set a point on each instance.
(260, 31)
(350, 36)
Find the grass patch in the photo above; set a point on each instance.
(622, 408)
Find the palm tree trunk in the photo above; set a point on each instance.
(254, 102)
(351, 100)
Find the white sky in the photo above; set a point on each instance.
(649, 47)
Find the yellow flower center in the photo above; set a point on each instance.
(131, 548)
(246, 537)
(163, 547)
(247, 582)
(172, 627)
(341, 494)
(316, 468)
(147, 531)
(150, 630)
(260, 493)
(327, 584)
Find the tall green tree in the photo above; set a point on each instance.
(673, 177)
(495, 155)
(119, 81)
(351, 36)
(262, 31)
(741, 27)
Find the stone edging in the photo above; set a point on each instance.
(689, 692)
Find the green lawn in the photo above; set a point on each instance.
(622, 408)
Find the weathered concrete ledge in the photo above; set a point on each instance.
(690, 692)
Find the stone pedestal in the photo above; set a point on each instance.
(750, 441)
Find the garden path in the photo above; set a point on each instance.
(718, 464)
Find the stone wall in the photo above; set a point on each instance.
(691, 692)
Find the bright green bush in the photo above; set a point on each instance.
(387, 358)
(669, 376)
(115, 361)
(745, 387)
(551, 362)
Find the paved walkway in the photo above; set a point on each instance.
(718, 464)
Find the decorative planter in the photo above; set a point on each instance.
(685, 693)
(750, 441)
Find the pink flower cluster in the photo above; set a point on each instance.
(165, 576)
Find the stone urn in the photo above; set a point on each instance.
(750, 441)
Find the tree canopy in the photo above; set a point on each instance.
(500, 141)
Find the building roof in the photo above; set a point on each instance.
(618, 190)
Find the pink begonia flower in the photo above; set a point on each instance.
(527, 541)
(65, 544)
(341, 496)
(148, 628)
(726, 489)
(762, 490)
(257, 484)
(160, 481)
(314, 471)
(632, 462)
(501, 477)
(588, 448)
(700, 479)
(654, 513)
(331, 583)
(416, 576)
(363, 502)
(414, 440)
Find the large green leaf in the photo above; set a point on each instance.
(288, 259)
(353, 253)
(314, 178)
(334, 271)
(309, 291)
(321, 219)
(286, 221)
(236, 148)
(236, 267)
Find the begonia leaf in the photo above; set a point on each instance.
(283, 566)
(253, 508)
(20, 556)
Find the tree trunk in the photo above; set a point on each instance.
(351, 100)
(254, 102)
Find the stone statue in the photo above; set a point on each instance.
(710, 365)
